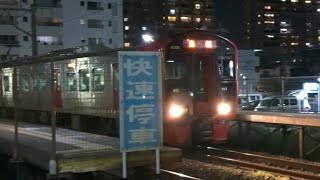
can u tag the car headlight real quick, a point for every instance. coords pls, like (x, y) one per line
(176, 111)
(224, 108)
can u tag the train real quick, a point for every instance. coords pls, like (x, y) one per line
(82, 87)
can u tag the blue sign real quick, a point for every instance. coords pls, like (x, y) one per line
(140, 90)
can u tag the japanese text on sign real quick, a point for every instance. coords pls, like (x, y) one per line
(140, 100)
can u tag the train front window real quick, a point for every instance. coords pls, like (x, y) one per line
(226, 68)
(175, 70)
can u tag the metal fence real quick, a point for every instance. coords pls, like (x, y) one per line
(304, 89)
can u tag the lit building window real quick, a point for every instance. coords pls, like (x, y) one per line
(270, 36)
(259, 22)
(283, 0)
(126, 44)
(308, 44)
(283, 23)
(125, 19)
(207, 19)
(268, 15)
(185, 19)
(259, 15)
(269, 22)
(283, 30)
(294, 0)
(126, 28)
(295, 37)
(294, 44)
(144, 28)
(197, 6)
(198, 19)
(283, 44)
(172, 18)
(318, 38)
(172, 11)
(318, 10)
(307, 2)
(267, 7)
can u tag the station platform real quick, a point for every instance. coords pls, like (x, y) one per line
(76, 151)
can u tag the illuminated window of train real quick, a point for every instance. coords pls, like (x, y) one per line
(97, 79)
(226, 67)
(25, 83)
(6, 83)
(71, 82)
(84, 80)
(42, 81)
(34, 82)
(175, 70)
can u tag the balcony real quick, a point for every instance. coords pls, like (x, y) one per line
(10, 43)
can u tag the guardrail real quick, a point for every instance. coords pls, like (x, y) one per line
(304, 88)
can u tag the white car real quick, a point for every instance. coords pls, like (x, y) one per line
(289, 104)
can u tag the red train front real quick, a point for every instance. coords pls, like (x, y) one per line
(200, 87)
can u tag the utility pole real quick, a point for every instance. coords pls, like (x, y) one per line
(34, 30)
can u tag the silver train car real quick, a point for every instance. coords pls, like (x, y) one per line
(83, 84)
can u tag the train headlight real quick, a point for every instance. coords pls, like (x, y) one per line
(224, 108)
(176, 111)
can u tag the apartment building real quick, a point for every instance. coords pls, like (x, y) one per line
(283, 30)
(58, 24)
(146, 20)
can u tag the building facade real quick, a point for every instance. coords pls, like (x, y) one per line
(282, 29)
(157, 18)
(58, 24)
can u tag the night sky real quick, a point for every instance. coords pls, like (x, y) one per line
(228, 16)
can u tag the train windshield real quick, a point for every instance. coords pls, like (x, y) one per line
(190, 73)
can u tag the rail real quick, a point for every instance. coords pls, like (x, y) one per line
(278, 165)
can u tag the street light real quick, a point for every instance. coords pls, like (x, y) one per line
(147, 38)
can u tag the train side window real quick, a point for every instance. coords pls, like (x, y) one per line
(34, 82)
(71, 82)
(42, 81)
(25, 83)
(6, 83)
(84, 80)
(97, 79)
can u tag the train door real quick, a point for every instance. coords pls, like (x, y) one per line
(115, 87)
(204, 83)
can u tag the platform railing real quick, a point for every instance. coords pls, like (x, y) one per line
(304, 89)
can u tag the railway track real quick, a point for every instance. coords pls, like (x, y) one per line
(166, 174)
(281, 166)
